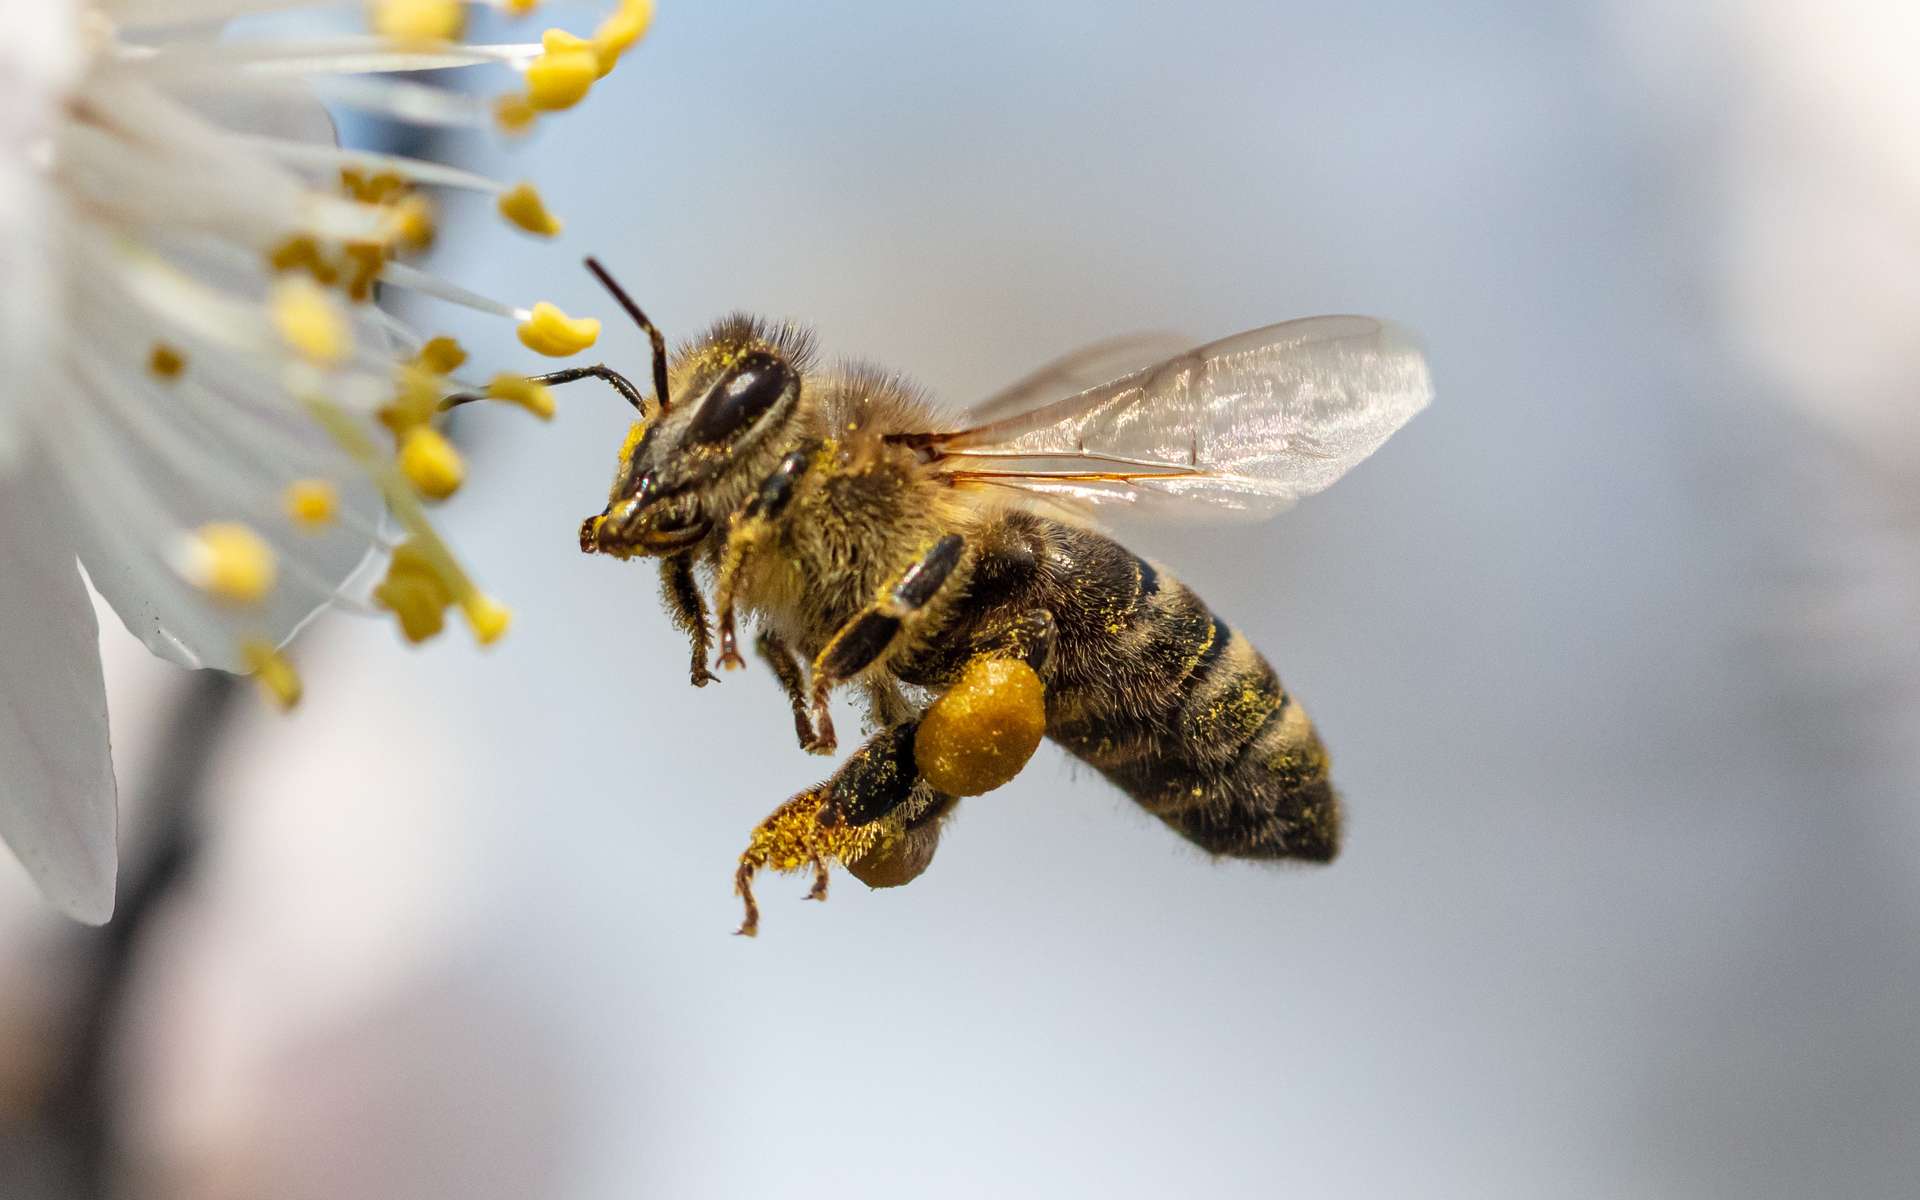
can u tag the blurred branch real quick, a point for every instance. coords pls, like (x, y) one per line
(76, 1121)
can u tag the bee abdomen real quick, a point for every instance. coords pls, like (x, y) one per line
(1206, 738)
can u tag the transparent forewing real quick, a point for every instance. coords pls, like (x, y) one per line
(1247, 424)
(1072, 374)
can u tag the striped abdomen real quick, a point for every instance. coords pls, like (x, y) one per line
(1181, 712)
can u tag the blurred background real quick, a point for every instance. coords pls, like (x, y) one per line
(1615, 647)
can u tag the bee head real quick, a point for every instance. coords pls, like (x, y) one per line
(686, 462)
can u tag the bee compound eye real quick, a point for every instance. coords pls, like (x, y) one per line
(740, 397)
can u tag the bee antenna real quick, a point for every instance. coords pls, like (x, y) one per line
(639, 318)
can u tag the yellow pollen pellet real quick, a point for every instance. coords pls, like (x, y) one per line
(549, 331)
(617, 34)
(514, 113)
(273, 672)
(536, 398)
(441, 355)
(231, 562)
(419, 20)
(562, 75)
(430, 463)
(981, 732)
(487, 617)
(311, 503)
(310, 322)
(165, 362)
(522, 205)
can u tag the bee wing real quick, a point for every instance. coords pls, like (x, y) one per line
(1244, 425)
(1072, 374)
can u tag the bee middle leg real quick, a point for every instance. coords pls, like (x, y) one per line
(786, 668)
(869, 633)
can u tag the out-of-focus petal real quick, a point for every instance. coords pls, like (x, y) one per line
(57, 810)
(37, 57)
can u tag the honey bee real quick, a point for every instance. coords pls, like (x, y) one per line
(952, 573)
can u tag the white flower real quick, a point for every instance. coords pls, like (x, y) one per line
(199, 403)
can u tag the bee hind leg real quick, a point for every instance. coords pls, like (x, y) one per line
(859, 816)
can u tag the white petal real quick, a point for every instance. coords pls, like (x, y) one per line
(56, 777)
(38, 57)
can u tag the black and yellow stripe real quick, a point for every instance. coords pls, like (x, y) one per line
(1165, 699)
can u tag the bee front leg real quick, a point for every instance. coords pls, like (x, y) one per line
(749, 528)
(689, 612)
(871, 632)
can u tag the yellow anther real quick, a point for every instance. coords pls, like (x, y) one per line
(536, 398)
(299, 250)
(430, 463)
(410, 221)
(560, 76)
(166, 362)
(419, 20)
(273, 672)
(522, 205)
(617, 34)
(415, 591)
(230, 562)
(520, 8)
(416, 398)
(514, 113)
(311, 503)
(310, 322)
(549, 331)
(441, 355)
(487, 617)
(364, 261)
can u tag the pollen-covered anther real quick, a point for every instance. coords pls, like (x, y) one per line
(563, 73)
(514, 113)
(522, 205)
(273, 673)
(411, 222)
(430, 463)
(519, 8)
(441, 355)
(487, 617)
(536, 398)
(622, 28)
(230, 562)
(415, 591)
(547, 330)
(419, 20)
(165, 362)
(309, 321)
(311, 503)
(416, 398)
